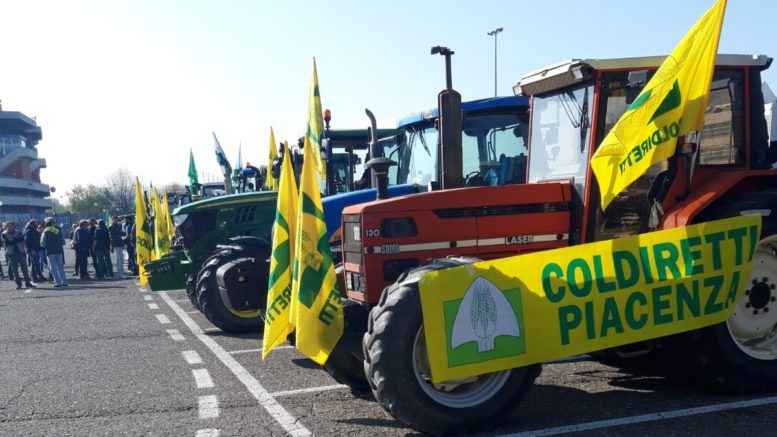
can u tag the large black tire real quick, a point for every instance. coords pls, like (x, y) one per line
(346, 362)
(209, 296)
(715, 359)
(389, 343)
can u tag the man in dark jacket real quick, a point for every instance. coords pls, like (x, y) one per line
(102, 250)
(117, 243)
(14, 249)
(82, 243)
(53, 242)
(32, 244)
(129, 241)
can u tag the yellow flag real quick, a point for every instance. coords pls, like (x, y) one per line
(168, 219)
(277, 323)
(161, 236)
(144, 246)
(671, 104)
(315, 123)
(316, 303)
(270, 182)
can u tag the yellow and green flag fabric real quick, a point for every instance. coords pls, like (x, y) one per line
(169, 226)
(270, 182)
(317, 308)
(277, 322)
(144, 244)
(512, 312)
(315, 128)
(671, 104)
(161, 235)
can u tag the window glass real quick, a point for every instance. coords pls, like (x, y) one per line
(560, 133)
(423, 155)
(723, 136)
(494, 148)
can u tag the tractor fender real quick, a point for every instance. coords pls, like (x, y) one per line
(250, 242)
(724, 185)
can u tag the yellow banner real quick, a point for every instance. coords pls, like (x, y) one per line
(161, 235)
(144, 244)
(535, 308)
(671, 104)
(277, 322)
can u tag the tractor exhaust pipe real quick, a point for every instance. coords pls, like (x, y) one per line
(378, 164)
(450, 123)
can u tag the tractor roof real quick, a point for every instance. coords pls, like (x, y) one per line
(576, 70)
(219, 202)
(471, 106)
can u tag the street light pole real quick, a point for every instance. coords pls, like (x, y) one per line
(494, 33)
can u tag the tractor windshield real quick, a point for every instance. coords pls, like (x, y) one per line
(493, 150)
(560, 133)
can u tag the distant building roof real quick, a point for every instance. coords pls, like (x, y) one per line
(16, 123)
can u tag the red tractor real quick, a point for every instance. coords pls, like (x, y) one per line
(389, 243)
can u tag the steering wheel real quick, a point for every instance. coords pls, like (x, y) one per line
(474, 179)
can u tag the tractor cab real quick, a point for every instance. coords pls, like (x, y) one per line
(576, 103)
(494, 140)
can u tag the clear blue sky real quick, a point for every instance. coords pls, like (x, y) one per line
(136, 84)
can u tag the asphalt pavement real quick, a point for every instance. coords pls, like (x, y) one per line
(108, 358)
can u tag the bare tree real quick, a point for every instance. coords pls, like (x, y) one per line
(173, 187)
(121, 185)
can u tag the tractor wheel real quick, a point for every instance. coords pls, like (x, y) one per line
(740, 355)
(191, 289)
(346, 362)
(213, 300)
(397, 369)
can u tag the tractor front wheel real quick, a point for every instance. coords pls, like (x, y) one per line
(346, 362)
(740, 355)
(211, 297)
(397, 369)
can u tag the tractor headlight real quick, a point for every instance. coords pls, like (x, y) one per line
(179, 219)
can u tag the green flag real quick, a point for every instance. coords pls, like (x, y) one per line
(194, 181)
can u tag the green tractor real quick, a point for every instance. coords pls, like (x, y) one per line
(225, 242)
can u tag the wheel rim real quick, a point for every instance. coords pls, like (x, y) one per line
(464, 393)
(753, 325)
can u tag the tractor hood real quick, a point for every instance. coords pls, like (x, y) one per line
(470, 197)
(232, 199)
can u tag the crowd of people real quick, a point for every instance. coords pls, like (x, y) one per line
(36, 254)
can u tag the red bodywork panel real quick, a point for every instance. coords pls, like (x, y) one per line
(484, 222)
(709, 184)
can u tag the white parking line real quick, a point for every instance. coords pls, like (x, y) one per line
(175, 335)
(288, 422)
(191, 357)
(148, 297)
(153, 306)
(278, 394)
(162, 319)
(251, 351)
(208, 407)
(631, 420)
(207, 432)
(202, 378)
